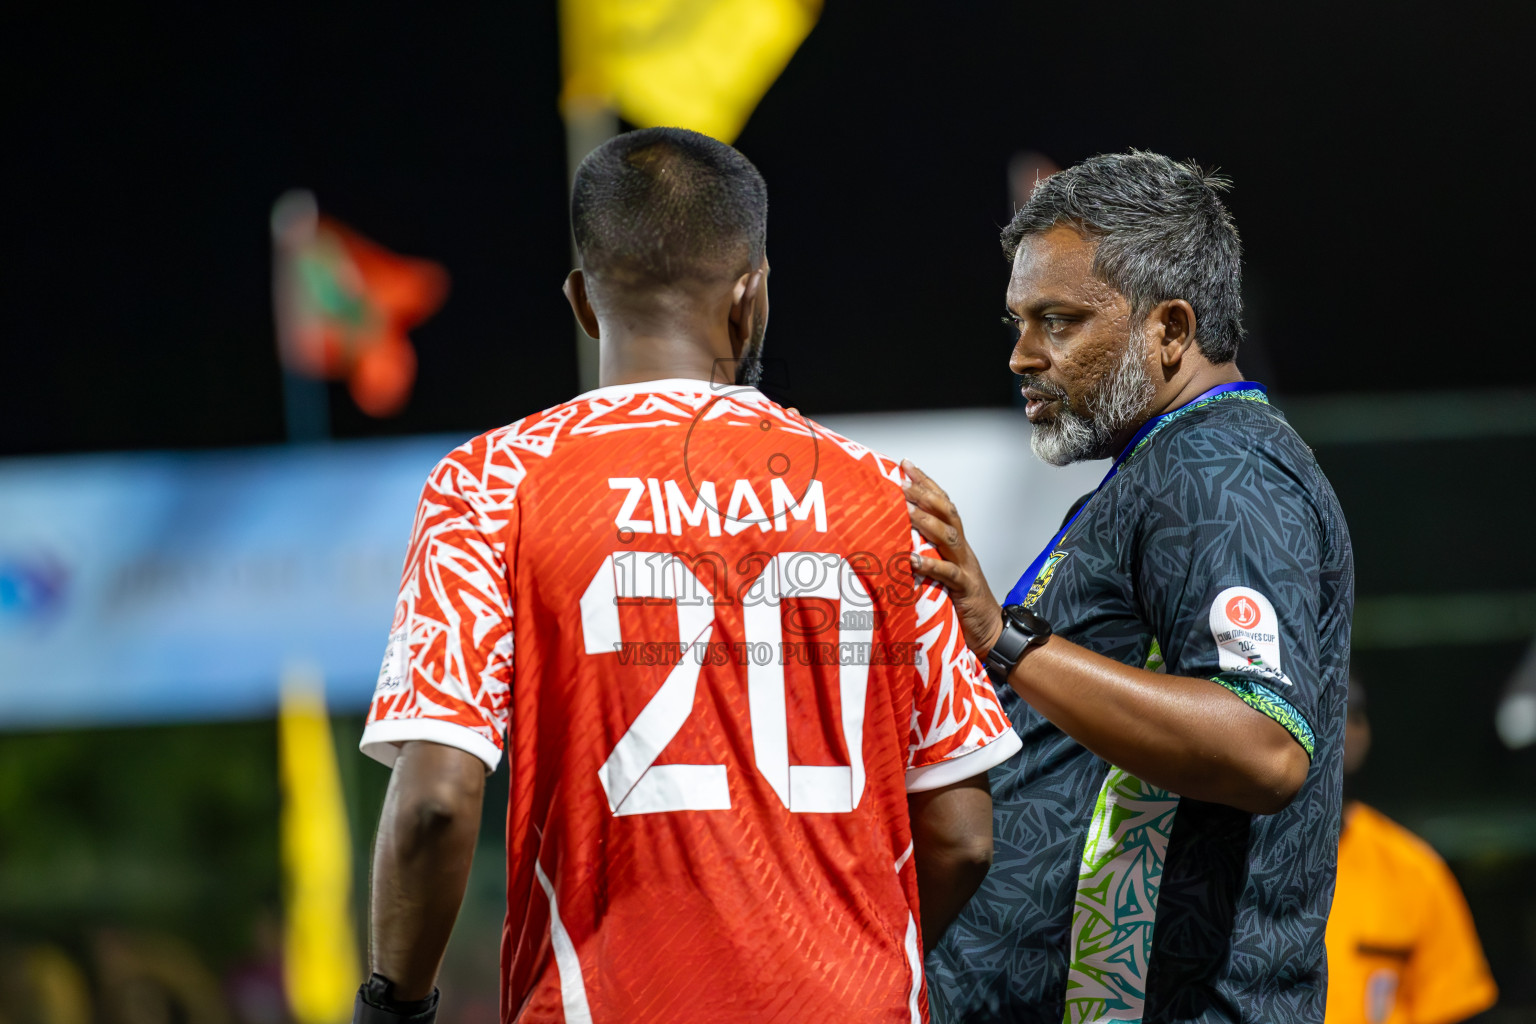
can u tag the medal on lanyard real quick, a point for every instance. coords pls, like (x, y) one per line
(1021, 588)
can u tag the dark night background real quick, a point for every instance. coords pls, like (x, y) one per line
(1375, 151)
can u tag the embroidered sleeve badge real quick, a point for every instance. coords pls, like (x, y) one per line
(1247, 633)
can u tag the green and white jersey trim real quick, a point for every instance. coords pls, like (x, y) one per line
(1266, 701)
(1116, 903)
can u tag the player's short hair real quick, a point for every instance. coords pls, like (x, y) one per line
(1162, 231)
(663, 205)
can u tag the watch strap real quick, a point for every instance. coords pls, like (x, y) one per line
(376, 1004)
(1022, 629)
(1006, 652)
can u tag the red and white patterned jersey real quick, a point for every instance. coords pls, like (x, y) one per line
(691, 613)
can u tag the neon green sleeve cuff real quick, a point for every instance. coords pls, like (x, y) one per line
(1267, 702)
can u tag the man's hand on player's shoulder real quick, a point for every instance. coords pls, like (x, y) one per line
(935, 517)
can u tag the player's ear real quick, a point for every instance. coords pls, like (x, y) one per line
(576, 294)
(762, 293)
(1171, 327)
(749, 306)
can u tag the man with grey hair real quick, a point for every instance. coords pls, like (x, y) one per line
(1174, 658)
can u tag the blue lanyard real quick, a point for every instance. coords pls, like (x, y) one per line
(1021, 588)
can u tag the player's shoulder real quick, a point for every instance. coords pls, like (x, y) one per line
(494, 463)
(1232, 454)
(850, 456)
(1240, 426)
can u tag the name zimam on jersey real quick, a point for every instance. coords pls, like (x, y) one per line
(664, 506)
(660, 506)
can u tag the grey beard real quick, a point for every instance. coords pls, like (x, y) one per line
(1116, 404)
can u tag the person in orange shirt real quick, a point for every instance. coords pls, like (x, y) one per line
(1402, 948)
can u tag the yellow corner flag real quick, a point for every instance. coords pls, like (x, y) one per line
(699, 64)
(320, 962)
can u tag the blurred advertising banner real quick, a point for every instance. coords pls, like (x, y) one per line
(179, 586)
(175, 586)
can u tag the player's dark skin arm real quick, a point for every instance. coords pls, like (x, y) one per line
(1189, 736)
(421, 862)
(952, 849)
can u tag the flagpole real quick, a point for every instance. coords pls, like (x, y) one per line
(306, 409)
(587, 126)
(306, 400)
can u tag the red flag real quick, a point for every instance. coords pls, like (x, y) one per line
(344, 305)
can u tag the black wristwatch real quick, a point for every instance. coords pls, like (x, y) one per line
(1022, 629)
(376, 1004)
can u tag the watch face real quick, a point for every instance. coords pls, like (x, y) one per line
(1028, 620)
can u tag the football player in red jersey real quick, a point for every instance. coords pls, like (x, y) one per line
(749, 750)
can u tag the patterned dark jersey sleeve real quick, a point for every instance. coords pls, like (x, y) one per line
(1227, 559)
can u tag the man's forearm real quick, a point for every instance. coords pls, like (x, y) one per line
(1189, 736)
(951, 849)
(945, 884)
(421, 862)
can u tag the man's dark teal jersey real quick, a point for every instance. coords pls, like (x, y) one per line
(1218, 551)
